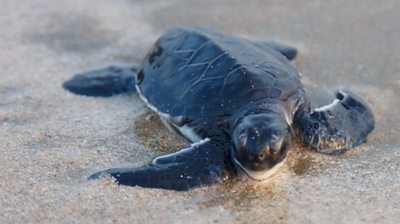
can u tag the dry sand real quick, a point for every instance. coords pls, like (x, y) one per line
(50, 140)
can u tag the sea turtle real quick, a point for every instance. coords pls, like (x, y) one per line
(238, 102)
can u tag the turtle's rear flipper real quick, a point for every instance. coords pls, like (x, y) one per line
(336, 127)
(199, 165)
(103, 82)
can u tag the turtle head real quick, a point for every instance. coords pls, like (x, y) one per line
(260, 144)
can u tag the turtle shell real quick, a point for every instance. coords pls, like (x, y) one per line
(205, 76)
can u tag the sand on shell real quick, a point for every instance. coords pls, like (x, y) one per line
(51, 140)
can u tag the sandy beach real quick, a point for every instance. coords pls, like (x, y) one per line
(52, 140)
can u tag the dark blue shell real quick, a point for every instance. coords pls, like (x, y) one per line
(205, 76)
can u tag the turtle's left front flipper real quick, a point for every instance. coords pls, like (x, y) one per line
(104, 82)
(337, 127)
(201, 164)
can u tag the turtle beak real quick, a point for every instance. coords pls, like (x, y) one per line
(258, 175)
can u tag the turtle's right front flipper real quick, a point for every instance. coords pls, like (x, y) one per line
(201, 164)
(103, 82)
(336, 127)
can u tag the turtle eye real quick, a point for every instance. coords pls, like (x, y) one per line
(240, 144)
(275, 136)
(275, 141)
(277, 145)
(240, 139)
(241, 151)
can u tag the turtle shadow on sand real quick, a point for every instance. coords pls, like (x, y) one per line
(162, 141)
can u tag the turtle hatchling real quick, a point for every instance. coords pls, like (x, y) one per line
(237, 103)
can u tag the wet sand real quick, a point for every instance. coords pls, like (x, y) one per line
(51, 140)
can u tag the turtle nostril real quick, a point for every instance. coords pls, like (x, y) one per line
(261, 156)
